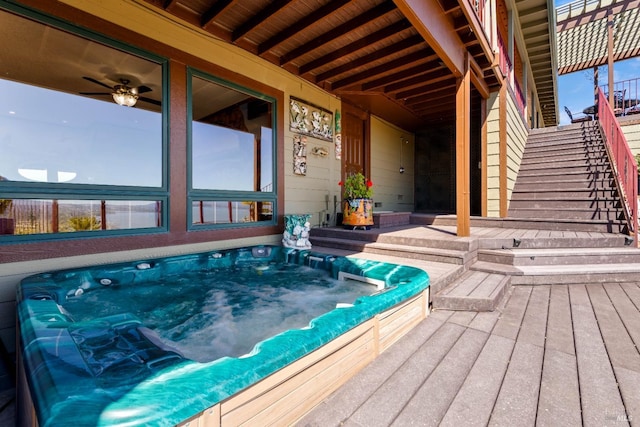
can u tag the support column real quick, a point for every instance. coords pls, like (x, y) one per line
(463, 150)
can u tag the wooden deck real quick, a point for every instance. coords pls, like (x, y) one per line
(550, 355)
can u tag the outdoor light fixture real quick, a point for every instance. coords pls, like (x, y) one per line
(125, 95)
(402, 142)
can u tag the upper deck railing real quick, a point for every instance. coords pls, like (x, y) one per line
(626, 95)
(624, 163)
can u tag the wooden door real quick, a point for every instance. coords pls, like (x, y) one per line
(355, 147)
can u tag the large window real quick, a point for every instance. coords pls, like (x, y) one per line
(81, 133)
(232, 148)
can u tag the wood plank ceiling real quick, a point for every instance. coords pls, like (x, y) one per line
(364, 51)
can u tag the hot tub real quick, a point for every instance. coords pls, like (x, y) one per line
(140, 343)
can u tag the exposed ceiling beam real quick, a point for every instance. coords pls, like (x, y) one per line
(383, 68)
(360, 20)
(210, 15)
(300, 25)
(271, 9)
(431, 22)
(364, 42)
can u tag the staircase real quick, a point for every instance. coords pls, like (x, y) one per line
(566, 225)
(565, 175)
(485, 267)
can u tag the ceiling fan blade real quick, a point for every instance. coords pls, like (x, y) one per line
(144, 89)
(94, 93)
(149, 100)
(92, 80)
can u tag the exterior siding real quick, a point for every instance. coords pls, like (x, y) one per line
(517, 133)
(493, 156)
(391, 189)
(632, 134)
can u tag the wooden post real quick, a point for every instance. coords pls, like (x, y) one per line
(463, 148)
(610, 58)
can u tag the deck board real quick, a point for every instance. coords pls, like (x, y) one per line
(518, 399)
(559, 391)
(474, 402)
(379, 409)
(508, 325)
(443, 384)
(599, 393)
(559, 327)
(550, 354)
(517, 365)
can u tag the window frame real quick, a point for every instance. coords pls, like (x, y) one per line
(80, 191)
(197, 195)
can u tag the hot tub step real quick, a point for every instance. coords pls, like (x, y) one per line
(473, 291)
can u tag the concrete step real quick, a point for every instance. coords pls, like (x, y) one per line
(389, 236)
(563, 274)
(560, 256)
(424, 253)
(473, 291)
(603, 221)
(577, 274)
(577, 151)
(606, 242)
(548, 192)
(600, 171)
(390, 219)
(574, 145)
(593, 164)
(526, 222)
(564, 185)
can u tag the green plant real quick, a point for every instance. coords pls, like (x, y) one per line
(638, 161)
(357, 186)
(84, 223)
(5, 204)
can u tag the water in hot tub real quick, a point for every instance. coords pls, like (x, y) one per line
(208, 315)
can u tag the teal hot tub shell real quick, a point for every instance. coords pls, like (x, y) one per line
(148, 383)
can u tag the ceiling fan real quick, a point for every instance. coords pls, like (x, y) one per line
(122, 93)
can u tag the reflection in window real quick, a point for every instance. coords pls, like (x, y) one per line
(227, 212)
(51, 136)
(231, 139)
(232, 154)
(40, 216)
(68, 143)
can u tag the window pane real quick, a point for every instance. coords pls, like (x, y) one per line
(40, 216)
(59, 122)
(230, 212)
(231, 139)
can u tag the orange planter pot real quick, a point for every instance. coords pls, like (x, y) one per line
(357, 213)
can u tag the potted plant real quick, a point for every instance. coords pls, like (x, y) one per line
(357, 206)
(6, 224)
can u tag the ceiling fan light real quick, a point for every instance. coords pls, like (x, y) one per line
(124, 95)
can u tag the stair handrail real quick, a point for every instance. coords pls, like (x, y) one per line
(624, 163)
